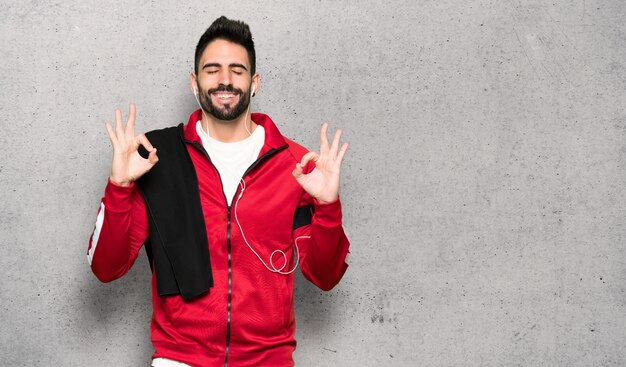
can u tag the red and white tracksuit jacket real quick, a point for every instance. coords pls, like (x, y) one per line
(256, 326)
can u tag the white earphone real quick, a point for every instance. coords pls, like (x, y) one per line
(271, 267)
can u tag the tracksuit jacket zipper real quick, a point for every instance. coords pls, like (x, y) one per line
(228, 225)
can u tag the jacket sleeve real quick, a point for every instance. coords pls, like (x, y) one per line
(323, 245)
(120, 231)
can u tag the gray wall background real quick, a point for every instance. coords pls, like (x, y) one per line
(483, 190)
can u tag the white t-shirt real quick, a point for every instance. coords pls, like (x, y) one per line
(232, 159)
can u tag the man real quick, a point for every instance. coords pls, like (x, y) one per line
(227, 209)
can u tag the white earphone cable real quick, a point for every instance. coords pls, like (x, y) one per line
(273, 268)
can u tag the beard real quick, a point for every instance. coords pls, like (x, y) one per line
(228, 112)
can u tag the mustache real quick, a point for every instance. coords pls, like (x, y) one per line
(225, 88)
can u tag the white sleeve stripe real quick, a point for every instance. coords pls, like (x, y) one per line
(164, 362)
(96, 234)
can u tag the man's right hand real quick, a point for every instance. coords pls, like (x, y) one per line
(128, 165)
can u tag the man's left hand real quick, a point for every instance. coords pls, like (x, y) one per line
(322, 182)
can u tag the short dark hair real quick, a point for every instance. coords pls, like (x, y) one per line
(234, 31)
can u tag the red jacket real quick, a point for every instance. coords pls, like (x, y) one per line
(257, 326)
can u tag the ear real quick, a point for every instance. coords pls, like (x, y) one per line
(256, 83)
(193, 83)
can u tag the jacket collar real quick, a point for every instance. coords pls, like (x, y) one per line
(273, 137)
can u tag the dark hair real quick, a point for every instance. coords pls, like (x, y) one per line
(234, 31)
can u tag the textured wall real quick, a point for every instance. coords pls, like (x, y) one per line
(484, 189)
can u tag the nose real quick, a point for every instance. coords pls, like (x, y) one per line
(224, 78)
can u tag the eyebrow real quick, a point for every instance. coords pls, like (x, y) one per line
(216, 65)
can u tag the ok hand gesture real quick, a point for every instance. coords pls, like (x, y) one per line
(323, 182)
(128, 165)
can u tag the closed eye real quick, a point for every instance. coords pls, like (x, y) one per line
(238, 68)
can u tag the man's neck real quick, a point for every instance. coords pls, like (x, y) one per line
(229, 131)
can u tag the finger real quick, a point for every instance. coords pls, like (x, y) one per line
(130, 124)
(297, 172)
(152, 157)
(141, 139)
(111, 134)
(335, 146)
(118, 123)
(324, 138)
(342, 152)
(310, 156)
